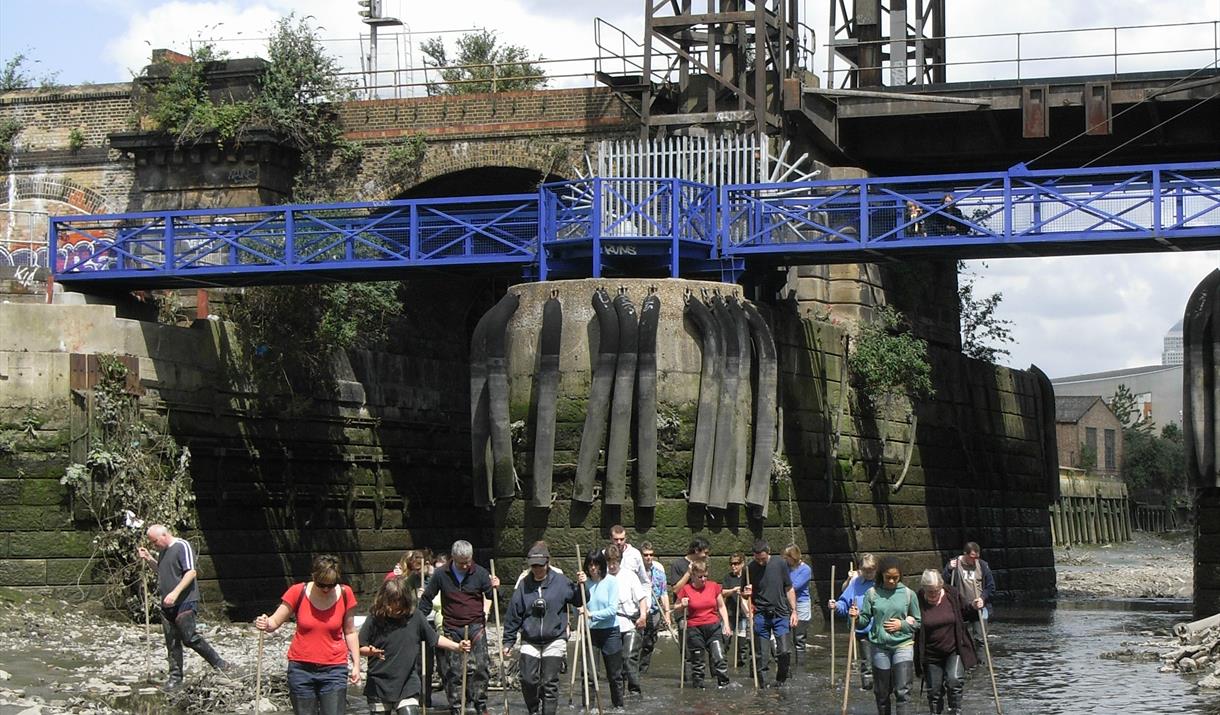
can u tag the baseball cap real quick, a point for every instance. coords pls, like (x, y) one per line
(538, 556)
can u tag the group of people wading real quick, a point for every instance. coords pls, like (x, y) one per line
(433, 613)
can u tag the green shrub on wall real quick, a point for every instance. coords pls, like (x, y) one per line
(134, 475)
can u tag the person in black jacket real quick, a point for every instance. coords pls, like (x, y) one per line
(971, 577)
(538, 613)
(944, 651)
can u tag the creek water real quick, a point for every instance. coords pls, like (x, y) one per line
(1046, 658)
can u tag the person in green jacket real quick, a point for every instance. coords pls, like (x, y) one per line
(891, 614)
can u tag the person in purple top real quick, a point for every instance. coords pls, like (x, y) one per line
(800, 573)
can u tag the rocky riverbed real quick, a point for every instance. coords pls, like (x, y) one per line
(1148, 566)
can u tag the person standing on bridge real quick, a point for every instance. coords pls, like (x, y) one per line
(465, 591)
(972, 578)
(179, 595)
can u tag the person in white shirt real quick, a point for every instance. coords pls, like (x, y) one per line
(632, 615)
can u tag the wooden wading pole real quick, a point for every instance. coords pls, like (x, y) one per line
(736, 628)
(990, 670)
(851, 659)
(832, 628)
(465, 660)
(750, 632)
(258, 676)
(682, 656)
(495, 603)
(147, 630)
(576, 663)
(425, 690)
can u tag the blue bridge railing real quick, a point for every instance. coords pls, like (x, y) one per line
(651, 226)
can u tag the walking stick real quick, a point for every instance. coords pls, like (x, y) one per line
(832, 628)
(682, 656)
(736, 628)
(147, 630)
(851, 659)
(750, 632)
(258, 676)
(465, 660)
(577, 662)
(590, 665)
(991, 670)
(495, 604)
(425, 691)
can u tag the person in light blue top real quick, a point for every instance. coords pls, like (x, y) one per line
(602, 608)
(800, 573)
(858, 584)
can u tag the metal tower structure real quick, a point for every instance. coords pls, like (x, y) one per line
(724, 66)
(875, 35)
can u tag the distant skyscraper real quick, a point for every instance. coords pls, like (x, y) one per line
(1172, 354)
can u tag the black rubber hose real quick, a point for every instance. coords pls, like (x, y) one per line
(709, 398)
(1046, 424)
(725, 451)
(1200, 336)
(646, 404)
(480, 422)
(598, 407)
(548, 393)
(765, 417)
(617, 452)
(504, 471)
(737, 492)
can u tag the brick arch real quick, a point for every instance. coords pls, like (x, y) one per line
(23, 236)
(534, 153)
(67, 191)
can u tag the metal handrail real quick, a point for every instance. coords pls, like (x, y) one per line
(1018, 60)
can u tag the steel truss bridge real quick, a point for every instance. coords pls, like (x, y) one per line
(648, 226)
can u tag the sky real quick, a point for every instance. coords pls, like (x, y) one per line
(1070, 315)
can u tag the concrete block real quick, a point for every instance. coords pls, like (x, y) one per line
(23, 572)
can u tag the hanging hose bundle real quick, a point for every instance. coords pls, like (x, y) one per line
(646, 404)
(624, 396)
(709, 398)
(480, 423)
(548, 392)
(724, 453)
(765, 418)
(737, 492)
(504, 472)
(598, 406)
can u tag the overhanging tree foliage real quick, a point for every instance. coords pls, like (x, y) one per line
(984, 334)
(482, 64)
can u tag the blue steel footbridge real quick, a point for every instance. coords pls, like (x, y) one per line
(652, 226)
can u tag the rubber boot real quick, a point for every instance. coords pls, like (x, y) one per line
(631, 660)
(332, 702)
(720, 667)
(866, 663)
(955, 681)
(902, 673)
(882, 682)
(614, 669)
(762, 657)
(303, 706)
(531, 683)
(407, 710)
(697, 665)
(551, 668)
(783, 657)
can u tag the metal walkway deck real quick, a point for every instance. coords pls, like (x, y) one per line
(641, 227)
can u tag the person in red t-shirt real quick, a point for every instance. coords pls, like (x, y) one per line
(707, 624)
(325, 639)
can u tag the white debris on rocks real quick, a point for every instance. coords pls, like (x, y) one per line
(1194, 654)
